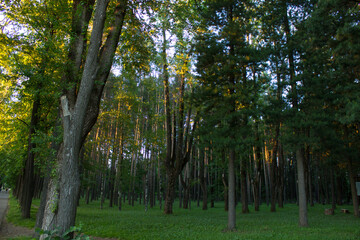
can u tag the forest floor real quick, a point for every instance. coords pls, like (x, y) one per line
(195, 223)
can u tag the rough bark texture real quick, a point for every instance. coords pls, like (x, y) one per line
(63, 192)
(170, 189)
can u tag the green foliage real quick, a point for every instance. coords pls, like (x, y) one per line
(55, 234)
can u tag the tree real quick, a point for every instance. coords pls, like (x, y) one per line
(223, 58)
(35, 57)
(81, 99)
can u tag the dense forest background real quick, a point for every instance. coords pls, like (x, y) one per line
(251, 102)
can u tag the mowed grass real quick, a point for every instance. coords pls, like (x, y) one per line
(134, 223)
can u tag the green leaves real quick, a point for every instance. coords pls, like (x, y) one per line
(55, 234)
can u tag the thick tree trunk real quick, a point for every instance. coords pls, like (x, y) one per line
(303, 219)
(76, 104)
(170, 189)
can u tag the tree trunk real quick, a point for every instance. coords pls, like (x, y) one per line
(28, 178)
(170, 189)
(273, 169)
(281, 177)
(353, 189)
(202, 178)
(303, 219)
(244, 192)
(266, 175)
(76, 104)
(231, 183)
(339, 190)
(226, 193)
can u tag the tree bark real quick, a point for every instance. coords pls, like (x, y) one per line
(231, 183)
(202, 179)
(353, 189)
(226, 193)
(63, 192)
(303, 219)
(244, 192)
(281, 177)
(28, 178)
(170, 189)
(273, 169)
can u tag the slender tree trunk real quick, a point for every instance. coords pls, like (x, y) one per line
(303, 219)
(244, 192)
(28, 178)
(202, 179)
(273, 170)
(231, 183)
(353, 189)
(226, 193)
(339, 190)
(281, 177)
(332, 185)
(266, 175)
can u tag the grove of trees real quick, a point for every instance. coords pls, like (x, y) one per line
(249, 102)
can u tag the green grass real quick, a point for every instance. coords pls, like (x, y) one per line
(135, 223)
(14, 213)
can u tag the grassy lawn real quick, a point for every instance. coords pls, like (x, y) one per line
(135, 223)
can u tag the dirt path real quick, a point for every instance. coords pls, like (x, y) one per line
(7, 230)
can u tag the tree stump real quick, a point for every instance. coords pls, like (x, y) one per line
(329, 211)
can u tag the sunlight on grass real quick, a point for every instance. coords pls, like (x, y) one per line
(134, 223)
